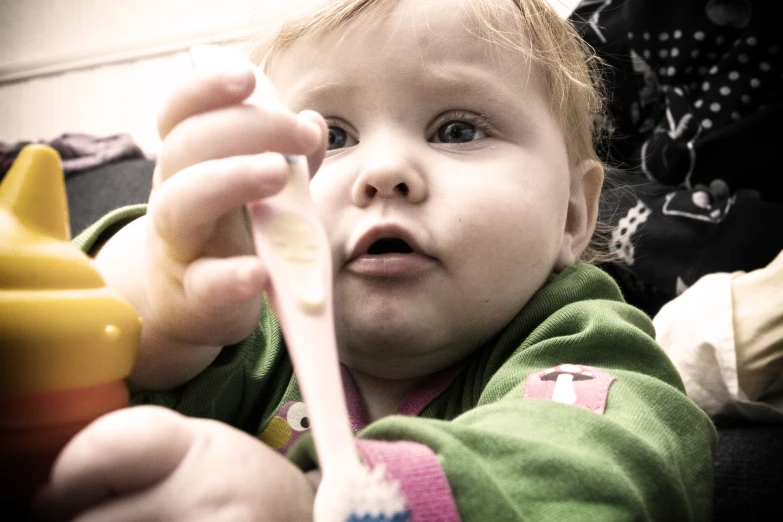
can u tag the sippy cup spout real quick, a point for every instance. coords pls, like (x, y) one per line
(67, 342)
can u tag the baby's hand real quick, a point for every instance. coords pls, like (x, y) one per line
(194, 276)
(149, 463)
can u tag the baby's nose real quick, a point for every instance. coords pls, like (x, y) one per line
(390, 176)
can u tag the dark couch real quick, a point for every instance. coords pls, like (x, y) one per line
(749, 460)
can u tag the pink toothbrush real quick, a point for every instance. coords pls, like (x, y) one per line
(291, 240)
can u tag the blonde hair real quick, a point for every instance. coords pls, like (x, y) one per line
(571, 71)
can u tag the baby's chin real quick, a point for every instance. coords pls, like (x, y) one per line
(384, 355)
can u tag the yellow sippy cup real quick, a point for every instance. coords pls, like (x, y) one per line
(67, 342)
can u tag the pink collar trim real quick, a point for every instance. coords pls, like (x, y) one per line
(413, 404)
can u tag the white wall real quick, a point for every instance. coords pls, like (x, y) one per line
(43, 28)
(100, 101)
(113, 61)
(105, 66)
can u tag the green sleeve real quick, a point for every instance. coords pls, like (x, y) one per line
(241, 387)
(108, 225)
(509, 458)
(647, 457)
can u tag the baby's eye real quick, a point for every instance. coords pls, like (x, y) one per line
(457, 132)
(339, 138)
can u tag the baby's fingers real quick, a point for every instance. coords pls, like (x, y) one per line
(238, 130)
(120, 453)
(206, 92)
(185, 210)
(225, 282)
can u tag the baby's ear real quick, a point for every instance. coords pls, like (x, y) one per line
(587, 178)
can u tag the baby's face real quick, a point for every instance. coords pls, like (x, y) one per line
(445, 192)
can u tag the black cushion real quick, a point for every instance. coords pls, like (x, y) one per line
(749, 473)
(93, 193)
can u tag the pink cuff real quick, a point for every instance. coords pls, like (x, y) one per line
(422, 481)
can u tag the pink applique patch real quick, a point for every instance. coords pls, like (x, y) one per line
(286, 427)
(583, 386)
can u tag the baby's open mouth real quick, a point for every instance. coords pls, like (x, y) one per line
(390, 245)
(389, 255)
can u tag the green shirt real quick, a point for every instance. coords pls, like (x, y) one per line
(509, 454)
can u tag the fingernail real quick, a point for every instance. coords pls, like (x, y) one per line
(235, 79)
(309, 134)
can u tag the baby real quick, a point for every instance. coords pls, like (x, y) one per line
(492, 371)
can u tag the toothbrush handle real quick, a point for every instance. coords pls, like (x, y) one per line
(294, 247)
(292, 242)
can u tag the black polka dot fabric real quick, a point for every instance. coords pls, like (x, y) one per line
(695, 119)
